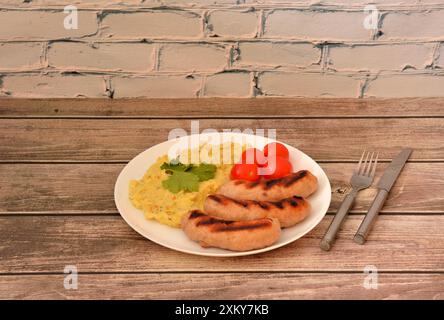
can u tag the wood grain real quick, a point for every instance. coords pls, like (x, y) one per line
(221, 107)
(59, 160)
(89, 188)
(121, 140)
(242, 286)
(108, 244)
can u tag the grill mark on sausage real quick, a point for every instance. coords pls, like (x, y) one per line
(244, 204)
(294, 201)
(278, 204)
(253, 184)
(196, 214)
(294, 177)
(223, 200)
(286, 181)
(216, 198)
(263, 205)
(270, 183)
(208, 221)
(238, 227)
(222, 225)
(251, 203)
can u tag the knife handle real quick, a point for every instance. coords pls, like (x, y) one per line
(370, 217)
(330, 235)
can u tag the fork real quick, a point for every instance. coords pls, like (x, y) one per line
(361, 179)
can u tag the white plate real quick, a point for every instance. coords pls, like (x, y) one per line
(175, 238)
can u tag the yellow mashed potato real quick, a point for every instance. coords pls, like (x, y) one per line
(160, 204)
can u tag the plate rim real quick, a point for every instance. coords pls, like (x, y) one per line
(228, 253)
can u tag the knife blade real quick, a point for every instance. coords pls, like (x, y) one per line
(384, 186)
(392, 172)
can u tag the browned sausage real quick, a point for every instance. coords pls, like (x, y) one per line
(231, 235)
(288, 211)
(302, 183)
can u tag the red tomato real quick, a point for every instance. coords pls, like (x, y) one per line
(283, 168)
(255, 155)
(243, 171)
(277, 149)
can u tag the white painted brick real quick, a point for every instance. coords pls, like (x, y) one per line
(136, 57)
(53, 86)
(44, 25)
(157, 24)
(316, 25)
(192, 57)
(227, 23)
(157, 87)
(308, 85)
(20, 56)
(277, 54)
(228, 84)
(174, 27)
(406, 85)
(380, 57)
(414, 25)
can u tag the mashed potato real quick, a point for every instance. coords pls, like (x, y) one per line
(168, 208)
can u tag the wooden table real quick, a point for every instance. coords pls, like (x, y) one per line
(59, 160)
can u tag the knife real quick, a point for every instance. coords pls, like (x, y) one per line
(385, 183)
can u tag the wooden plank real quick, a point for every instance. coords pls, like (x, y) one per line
(58, 188)
(242, 286)
(88, 188)
(108, 244)
(121, 140)
(221, 107)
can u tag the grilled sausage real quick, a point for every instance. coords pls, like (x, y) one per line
(302, 183)
(288, 211)
(231, 235)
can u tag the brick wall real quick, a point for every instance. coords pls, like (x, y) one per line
(223, 48)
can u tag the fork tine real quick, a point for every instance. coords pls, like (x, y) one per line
(364, 164)
(372, 174)
(358, 168)
(368, 166)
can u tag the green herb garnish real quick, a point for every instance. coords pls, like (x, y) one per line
(178, 181)
(186, 177)
(170, 167)
(204, 171)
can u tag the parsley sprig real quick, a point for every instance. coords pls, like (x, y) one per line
(186, 177)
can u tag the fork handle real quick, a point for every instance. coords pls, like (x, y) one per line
(370, 217)
(330, 235)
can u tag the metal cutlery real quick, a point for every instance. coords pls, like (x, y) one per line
(361, 179)
(384, 185)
